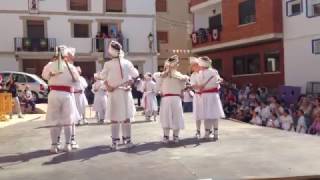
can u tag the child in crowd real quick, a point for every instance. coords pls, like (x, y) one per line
(273, 121)
(256, 120)
(265, 112)
(188, 98)
(301, 126)
(29, 99)
(286, 121)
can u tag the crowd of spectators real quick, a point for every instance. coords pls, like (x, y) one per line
(263, 107)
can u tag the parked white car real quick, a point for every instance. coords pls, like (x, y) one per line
(38, 87)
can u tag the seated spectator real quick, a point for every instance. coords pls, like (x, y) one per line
(273, 121)
(230, 96)
(255, 120)
(29, 99)
(286, 121)
(265, 112)
(315, 127)
(252, 99)
(13, 89)
(301, 125)
(230, 108)
(242, 96)
(279, 109)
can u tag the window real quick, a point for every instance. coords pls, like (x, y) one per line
(247, 12)
(313, 8)
(316, 46)
(217, 64)
(19, 78)
(35, 29)
(272, 61)
(294, 7)
(215, 22)
(81, 30)
(114, 5)
(249, 64)
(30, 79)
(162, 37)
(79, 5)
(161, 5)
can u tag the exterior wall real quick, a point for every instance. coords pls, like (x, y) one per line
(177, 21)
(272, 80)
(267, 20)
(8, 63)
(301, 65)
(138, 13)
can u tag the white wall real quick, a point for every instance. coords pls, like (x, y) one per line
(201, 16)
(301, 66)
(8, 62)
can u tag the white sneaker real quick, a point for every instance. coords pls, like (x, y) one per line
(74, 145)
(67, 148)
(54, 149)
(85, 122)
(114, 146)
(129, 145)
(198, 135)
(165, 139)
(176, 139)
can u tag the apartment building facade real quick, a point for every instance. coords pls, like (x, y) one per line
(301, 22)
(32, 28)
(174, 26)
(243, 37)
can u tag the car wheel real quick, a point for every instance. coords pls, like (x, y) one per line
(36, 97)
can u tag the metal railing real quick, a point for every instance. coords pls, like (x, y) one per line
(34, 44)
(98, 44)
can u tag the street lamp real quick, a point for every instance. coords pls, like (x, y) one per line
(151, 40)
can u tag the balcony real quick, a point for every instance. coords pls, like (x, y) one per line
(199, 5)
(98, 44)
(34, 44)
(204, 36)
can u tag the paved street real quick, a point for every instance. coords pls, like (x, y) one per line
(243, 151)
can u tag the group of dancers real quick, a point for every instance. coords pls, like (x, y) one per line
(114, 101)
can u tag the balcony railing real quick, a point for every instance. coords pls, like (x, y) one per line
(203, 36)
(34, 44)
(98, 44)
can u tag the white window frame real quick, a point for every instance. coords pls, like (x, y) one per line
(309, 7)
(316, 46)
(289, 5)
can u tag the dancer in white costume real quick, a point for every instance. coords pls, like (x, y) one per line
(118, 74)
(171, 84)
(100, 98)
(61, 112)
(149, 99)
(209, 81)
(80, 98)
(197, 103)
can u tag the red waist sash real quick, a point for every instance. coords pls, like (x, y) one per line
(212, 90)
(61, 88)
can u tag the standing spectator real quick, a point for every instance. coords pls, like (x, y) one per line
(273, 121)
(1, 82)
(316, 108)
(29, 99)
(315, 127)
(12, 88)
(188, 99)
(286, 121)
(301, 126)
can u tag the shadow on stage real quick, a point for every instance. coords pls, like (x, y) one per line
(92, 152)
(95, 124)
